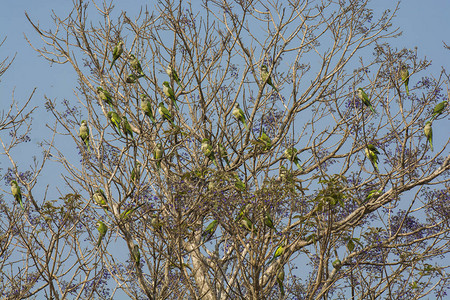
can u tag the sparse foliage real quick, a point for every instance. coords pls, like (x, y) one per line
(255, 178)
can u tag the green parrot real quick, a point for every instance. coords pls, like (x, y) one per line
(126, 213)
(246, 223)
(364, 98)
(156, 223)
(174, 75)
(100, 199)
(429, 133)
(291, 154)
(337, 263)
(373, 194)
(244, 211)
(158, 154)
(280, 279)
(283, 172)
(132, 78)
(136, 65)
(238, 113)
(223, 153)
(117, 52)
(268, 221)
(265, 140)
(239, 184)
(209, 231)
(104, 95)
(84, 133)
(404, 74)
(279, 252)
(265, 75)
(136, 172)
(115, 121)
(165, 113)
(15, 190)
(102, 228)
(146, 107)
(438, 109)
(169, 93)
(126, 128)
(208, 150)
(136, 255)
(372, 155)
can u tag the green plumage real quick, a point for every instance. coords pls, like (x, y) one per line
(128, 212)
(115, 121)
(373, 194)
(364, 98)
(246, 223)
(165, 113)
(209, 231)
(126, 128)
(265, 75)
(428, 131)
(372, 154)
(279, 251)
(117, 52)
(207, 150)
(223, 154)
(146, 107)
(104, 95)
(404, 74)
(238, 183)
(15, 190)
(132, 78)
(136, 65)
(136, 173)
(102, 229)
(156, 223)
(268, 221)
(265, 141)
(136, 255)
(238, 113)
(280, 280)
(439, 109)
(337, 263)
(174, 75)
(84, 133)
(158, 154)
(291, 155)
(168, 91)
(100, 199)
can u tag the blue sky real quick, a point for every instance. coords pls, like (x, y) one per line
(425, 24)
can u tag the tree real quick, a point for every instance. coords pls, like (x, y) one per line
(361, 232)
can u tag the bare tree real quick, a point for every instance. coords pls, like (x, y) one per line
(229, 150)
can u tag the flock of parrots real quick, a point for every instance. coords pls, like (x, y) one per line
(123, 128)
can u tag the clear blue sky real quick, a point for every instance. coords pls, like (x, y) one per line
(425, 24)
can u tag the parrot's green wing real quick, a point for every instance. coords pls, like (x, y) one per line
(404, 74)
(365, 99)
(15, 190)
(102, 228)
(117, 52)
(438, 109)
(136, 65)
(238, 113)
(146, 107)
(265, 75)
